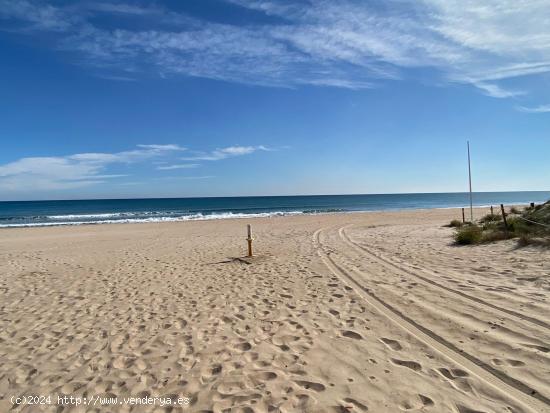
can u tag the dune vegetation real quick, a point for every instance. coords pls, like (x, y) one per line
(531, 226)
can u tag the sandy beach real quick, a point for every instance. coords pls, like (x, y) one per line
(355, 312)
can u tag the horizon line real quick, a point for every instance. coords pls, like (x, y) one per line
(272, 196)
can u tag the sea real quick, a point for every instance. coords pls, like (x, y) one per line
(109, 211)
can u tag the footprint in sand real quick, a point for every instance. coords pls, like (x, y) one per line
(426, 401)
(298, 403)
(508, 362)
(457, 377)
(352, 334)
(452, 373)
(352, 405)
(310, 385)
(181, 324)
(284, 339)
(392, 344)
(216, 369)
(464, 409)
(417, 404)
(284, 360)
(413, 365)
(122, 362)
(264, 376)
(251, 356)
(261, 364)
(243, 346)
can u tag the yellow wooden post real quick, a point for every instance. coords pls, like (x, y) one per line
(249, 240)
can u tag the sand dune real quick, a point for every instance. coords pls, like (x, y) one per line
(338, 313)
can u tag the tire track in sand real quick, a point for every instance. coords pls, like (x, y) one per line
(510, 387)
(390, 264)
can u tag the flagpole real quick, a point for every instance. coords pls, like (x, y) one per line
(470, 181)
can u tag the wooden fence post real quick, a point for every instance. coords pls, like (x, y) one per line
(504, 218)
(463, 217)
(249, 240)
(492, 211)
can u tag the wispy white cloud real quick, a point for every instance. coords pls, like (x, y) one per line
(537, 109)
(496, 91)
(507, 71)
(347, 44)
(122, 8)
(72, 171)
(116, 78)
(186, 178)
(38, 16)
(228, 152)
(516, 29)
(177, 166)
(85, 169)
(170, 147)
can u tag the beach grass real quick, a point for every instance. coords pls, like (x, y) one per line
(531, 226)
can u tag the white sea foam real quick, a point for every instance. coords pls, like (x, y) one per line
(192, 217)
(175, 216)
(87, 216)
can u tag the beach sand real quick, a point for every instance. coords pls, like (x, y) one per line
(359, 312)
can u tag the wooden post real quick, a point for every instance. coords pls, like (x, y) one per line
(504, 218)
(492, 211)
(463, 217)
(532, 204)
(249, 240)
(470, 179)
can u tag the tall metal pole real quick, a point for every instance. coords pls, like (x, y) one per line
(470, 180)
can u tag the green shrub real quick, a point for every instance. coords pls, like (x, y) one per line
(455, 223)
(494, 235)
(541, 213)
(520, 227)
(468, 234)
(525, 240)
(524, 225)
(490, 218)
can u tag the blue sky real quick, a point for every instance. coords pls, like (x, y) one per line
(105, 99)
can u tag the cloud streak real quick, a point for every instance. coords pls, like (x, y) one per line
(177, 166)
(345, 44)
(72, 171)
(228, 152)
(537, 109)
(92, 168)
(495, 91)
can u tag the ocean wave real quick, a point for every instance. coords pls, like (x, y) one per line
(325, 211)
(153, 215)
(189, 217)
(88, 216)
